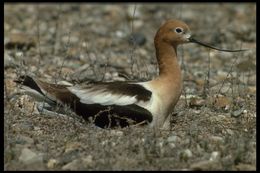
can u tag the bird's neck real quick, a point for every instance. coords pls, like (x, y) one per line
(169, 68)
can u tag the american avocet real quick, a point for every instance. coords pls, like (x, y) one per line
(124, 103)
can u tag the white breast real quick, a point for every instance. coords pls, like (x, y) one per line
(156, 106)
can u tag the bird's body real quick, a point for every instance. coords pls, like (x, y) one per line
(125, 103)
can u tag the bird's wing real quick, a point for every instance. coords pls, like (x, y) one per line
(112, 93)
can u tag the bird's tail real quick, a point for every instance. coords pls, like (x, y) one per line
(29, 82)
(33, 88)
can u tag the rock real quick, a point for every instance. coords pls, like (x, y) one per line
(246, 65)
(29, 157)
(217, 139)
(52, 163)
(26, 126)
(222, 102)
(172, 145)
(24, 140)
(8, 61)
(197, 102)
(116, 132)
(72, 146)
(206, 165)
(87, 161)
(245, 167)
(173, 139)
(69, 39)
(69, 156)
(237, 113)
(215, 155)
(137, 39)
(186, 154)
(133, 12)
(229, 131)
(72, 165)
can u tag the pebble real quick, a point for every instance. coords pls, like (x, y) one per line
(29, 157)
(72, 146)
(197, 102)
(137, 39)
(172, 145)
(245, 167)
(71, 165)
(8, 61)
(206, 165)
(116, 132)
(24, 140)
(87, 161)
(185, 155)
(237, 113)
(133, 12)
(69, 156)
(52, 163)
(230, 132)
(173, 139)
(26, 126)
(217, 139)
(215, 155)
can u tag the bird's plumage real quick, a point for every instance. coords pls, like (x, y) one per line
(109, 104)
(124, 103)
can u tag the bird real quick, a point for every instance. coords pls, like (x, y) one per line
(124, 103)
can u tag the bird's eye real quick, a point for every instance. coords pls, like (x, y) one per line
(178, 30)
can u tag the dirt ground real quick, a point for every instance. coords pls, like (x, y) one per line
(214, 123)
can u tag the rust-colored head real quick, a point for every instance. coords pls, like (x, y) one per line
(173, 32)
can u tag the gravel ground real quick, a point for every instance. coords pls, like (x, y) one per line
(214, 123)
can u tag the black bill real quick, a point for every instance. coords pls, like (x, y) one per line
(192, 40)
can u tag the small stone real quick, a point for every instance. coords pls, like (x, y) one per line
(215, 155)
(173, 139)
(245, 167)
(237, 113)
(217, 139)
(71, 165)
(222, 102)
(229, 131)
(160, 144)
(133, 12)
(8, 61)
(120, 34)
(52, 163)
(69, 156)
(137, 39)
(29, 157)
(26, 125)
(251, 90)
(87, 161)
(188, 153)
(185, 155)
(245, 111)
(19, 54)
(116, 132)
(24, 140)
(196, 102)
(197, 111)
(72, 146)
(172, 145)
(206, 165)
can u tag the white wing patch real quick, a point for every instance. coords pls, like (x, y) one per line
(104, 97)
